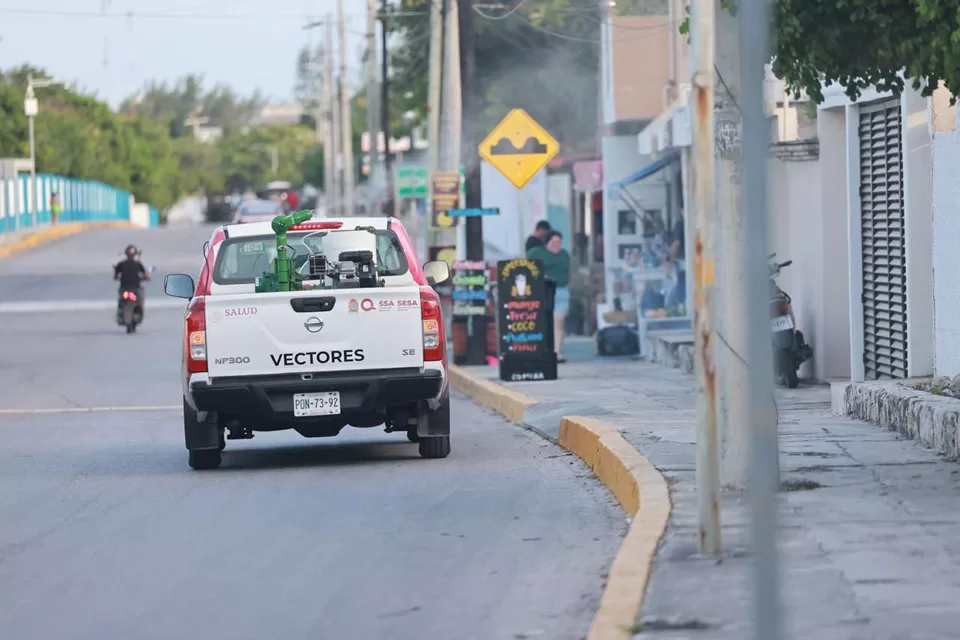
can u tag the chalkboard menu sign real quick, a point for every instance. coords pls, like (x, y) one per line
(469, 288)
(525, 322)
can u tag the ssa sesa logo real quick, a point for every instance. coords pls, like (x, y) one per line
(366, 304)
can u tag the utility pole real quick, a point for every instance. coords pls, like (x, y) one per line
(332, 139)
(393, 196)
(733, 377)
(346, 121)
(450, 118)
(708, 444)
(434, 102)
(476, 325)
(373, 128)
(764, 445)
(31, 109)
(672, 31)
(327, 119)
(452, 98)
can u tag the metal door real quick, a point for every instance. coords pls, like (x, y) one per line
(882, 236)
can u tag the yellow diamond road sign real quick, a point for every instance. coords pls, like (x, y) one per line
(519, 148)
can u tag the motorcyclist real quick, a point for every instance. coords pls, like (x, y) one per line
(131, 273)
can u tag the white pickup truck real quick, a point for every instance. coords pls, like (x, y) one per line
(317, 359)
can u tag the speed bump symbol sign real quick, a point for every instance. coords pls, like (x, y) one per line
(519, 148)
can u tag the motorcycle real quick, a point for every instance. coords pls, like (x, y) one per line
(131, 311)
(130, 306)
(789, 348)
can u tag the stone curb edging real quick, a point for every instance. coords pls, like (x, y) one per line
(931, 420)
(53, 233)
(638, 486)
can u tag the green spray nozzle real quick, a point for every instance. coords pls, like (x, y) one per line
(282, 224)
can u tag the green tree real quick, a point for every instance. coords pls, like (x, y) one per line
(862, 43)
(543, 57)
(78, 136)
(859, 43)
(174, 103)
(247, 159)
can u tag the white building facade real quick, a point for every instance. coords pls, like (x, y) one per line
(878, 181)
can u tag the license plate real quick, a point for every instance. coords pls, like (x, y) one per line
(326, 403)
(782, 323)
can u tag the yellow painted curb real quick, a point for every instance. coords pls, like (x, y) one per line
(509, 404)
(53, 233)
(636, 483)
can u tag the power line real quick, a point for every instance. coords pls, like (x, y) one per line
(651, 31)
(503, 16)
(52, 13)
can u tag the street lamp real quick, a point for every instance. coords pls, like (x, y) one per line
(31, 108)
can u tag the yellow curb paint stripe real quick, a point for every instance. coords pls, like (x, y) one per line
(54, 233)
(638, 486)
(510, 404)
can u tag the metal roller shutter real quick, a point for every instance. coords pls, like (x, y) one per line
(882, 236)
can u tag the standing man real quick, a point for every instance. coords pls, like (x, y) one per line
(677, 259)
(54, 207)
(556, 267)
(294, 200)
(539, 237)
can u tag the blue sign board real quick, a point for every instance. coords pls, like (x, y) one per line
(472, 213)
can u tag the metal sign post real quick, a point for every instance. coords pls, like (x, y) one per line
(764, 445)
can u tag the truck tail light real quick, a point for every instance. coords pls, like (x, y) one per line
(196, 337)
(434, 343)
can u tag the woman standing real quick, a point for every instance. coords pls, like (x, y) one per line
(556, 267)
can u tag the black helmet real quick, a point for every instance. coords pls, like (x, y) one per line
(131, 251)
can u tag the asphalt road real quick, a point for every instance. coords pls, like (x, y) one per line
(105, 533)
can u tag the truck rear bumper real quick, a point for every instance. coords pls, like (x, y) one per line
(360, 392)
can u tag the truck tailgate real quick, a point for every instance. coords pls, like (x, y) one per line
(314, 331)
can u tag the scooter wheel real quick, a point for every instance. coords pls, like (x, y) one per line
(787, 369)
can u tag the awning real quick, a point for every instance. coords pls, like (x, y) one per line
(646, 172)
(670, 129)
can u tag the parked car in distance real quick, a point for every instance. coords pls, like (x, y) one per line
(258, 211)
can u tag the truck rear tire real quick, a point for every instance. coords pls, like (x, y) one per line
(205, 459)
(434, 447)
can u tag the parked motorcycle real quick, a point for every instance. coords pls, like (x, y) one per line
(789, 348)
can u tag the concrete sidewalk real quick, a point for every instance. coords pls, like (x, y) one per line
(870, 522)
(16, 241)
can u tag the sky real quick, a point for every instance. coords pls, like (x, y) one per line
(247, 44)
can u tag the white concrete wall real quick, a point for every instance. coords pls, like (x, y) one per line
(915, 118)
(832, 359)
(139, 214)
(918, 218)
(946, 240)
(520, 209)
(795, 226)
(808, 226)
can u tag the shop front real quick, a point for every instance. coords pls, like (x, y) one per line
(647, 236)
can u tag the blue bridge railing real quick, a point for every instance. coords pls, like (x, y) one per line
(80, 201)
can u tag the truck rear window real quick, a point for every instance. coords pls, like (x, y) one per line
(241, 260)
